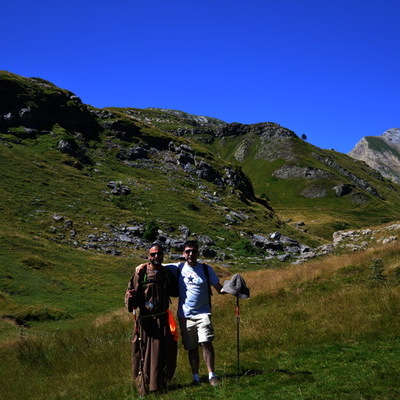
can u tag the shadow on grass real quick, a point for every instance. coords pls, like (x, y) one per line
(204, 379)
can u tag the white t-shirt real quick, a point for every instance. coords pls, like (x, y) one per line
(193, 288)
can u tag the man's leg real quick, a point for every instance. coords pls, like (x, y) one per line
(190, 343)
(208, 355)
(194, 360)
(209, 359)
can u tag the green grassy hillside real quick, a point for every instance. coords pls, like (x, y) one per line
(64, 164)
(292, 198)
(83, 191)
(263, 150)
(65, 232)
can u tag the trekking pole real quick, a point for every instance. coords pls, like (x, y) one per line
(237, 334)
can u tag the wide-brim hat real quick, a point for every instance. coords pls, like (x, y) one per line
(237, 286)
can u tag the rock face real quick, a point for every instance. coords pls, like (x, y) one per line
(37, 105)
(381, 153)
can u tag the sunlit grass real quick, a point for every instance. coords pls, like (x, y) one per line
(322, 330)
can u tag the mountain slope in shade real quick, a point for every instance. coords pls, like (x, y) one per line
(381, 153)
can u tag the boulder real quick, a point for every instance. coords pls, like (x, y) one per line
(342, 190)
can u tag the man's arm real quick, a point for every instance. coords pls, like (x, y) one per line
(212, 277)
(140, 267)
(218, 287)
(132, 296)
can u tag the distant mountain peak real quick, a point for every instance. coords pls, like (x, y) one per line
(392, 135)
(381, 153)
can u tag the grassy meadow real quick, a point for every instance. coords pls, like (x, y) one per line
(327, 329)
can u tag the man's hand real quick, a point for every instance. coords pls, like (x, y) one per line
(219, 288)
(140, 267)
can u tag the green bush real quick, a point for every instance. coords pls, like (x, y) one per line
(377, 269)
(244, 248)
(150, 231)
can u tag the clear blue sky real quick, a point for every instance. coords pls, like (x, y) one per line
(325, 68)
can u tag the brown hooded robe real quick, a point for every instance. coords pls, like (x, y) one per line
(154, 349)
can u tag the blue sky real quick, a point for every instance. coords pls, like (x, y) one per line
(325, 68)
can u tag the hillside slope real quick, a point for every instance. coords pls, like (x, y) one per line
(83, 191)
(316, 190)
(185, 170)
(104, 171)
(189, 173)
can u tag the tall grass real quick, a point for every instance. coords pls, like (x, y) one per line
(327, 329)
(337, 298)
(86, 363)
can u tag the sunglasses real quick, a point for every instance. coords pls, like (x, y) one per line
(158, 253)
(194, 251)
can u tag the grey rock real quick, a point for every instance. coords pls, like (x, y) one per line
(342, 190)
(65, 147)
(208, 252)
(293, 172)
(133, 154)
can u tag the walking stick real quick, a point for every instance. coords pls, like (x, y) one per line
(237, 335)
(237, 286)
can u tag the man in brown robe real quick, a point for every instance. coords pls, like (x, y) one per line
(154, 348)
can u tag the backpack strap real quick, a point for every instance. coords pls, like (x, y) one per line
(207, 274)
(180, 266)
(173, 286)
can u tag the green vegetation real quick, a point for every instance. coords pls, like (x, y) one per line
(288, 196)
(325, 329)
(150, 232)
(378, 144)
(322, 330)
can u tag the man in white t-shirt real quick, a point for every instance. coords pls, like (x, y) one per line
(194, 309)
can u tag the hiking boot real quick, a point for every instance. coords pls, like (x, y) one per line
(214, 381)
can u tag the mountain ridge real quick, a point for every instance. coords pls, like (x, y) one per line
(250, 179)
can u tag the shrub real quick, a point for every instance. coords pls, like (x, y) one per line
(244, 248)
(193, 207)
(150, 231)
(377, 269)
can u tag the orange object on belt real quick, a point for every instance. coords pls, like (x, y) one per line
(172, 326)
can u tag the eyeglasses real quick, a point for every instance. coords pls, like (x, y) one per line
(194, 251)
(158, 253)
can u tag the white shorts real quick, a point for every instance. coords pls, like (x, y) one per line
(196, 329)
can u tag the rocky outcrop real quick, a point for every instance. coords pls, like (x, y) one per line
(361, 239)
(293, 172)
(191, 119)
(267, 130)
(342, 189)
(38, 105)
(356, 180)
(381, 153)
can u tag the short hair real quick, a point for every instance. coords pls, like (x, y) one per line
(191, 243)
(160, 247)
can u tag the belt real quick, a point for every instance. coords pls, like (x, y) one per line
(152, 315)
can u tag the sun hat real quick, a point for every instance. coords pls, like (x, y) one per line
(237, 286)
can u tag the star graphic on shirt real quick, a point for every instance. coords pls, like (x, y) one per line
(190, 279)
